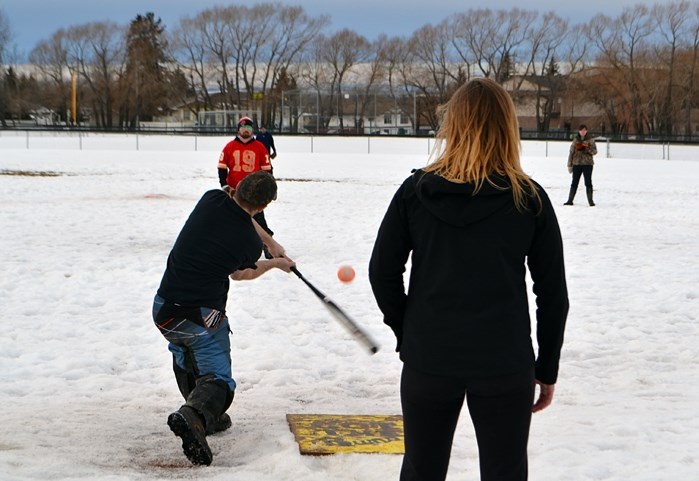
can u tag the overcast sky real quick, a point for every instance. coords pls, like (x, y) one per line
(35, 20)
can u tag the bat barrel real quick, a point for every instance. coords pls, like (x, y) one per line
(339, 314)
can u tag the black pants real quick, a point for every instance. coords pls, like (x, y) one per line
(586, 172)
(500, 409)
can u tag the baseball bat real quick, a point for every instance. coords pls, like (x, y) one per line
(340, 315)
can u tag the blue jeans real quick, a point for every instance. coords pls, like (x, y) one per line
(197, 349)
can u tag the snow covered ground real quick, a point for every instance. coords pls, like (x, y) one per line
(86, 379)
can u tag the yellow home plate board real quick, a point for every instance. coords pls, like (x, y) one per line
(347, 433)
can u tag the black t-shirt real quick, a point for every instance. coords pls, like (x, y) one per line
(217, 240)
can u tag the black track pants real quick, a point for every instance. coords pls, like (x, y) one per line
(500, 410)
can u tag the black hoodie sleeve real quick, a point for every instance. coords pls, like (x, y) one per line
(387, 265)
(545, 262)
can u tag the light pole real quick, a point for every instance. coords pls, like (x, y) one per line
(74, 98)
(414, 113)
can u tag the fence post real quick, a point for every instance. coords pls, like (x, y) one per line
(607, 147)
(27, 141)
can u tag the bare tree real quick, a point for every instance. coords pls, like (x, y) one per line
(217, 26)
(51, 59)
(576, 56)
(96, 52)
(688, 70)
(474, 34)
(343, 51)
(244, 50)
(373, 76)
(428, 72)
(293, 33)
(545, 39)
(673, 22)
(5, 36)
(315, 72)
(622, 44)
(492, 41)
(188, 47)
(430, 50)
(266, 39)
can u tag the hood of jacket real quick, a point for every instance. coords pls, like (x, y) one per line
(456, 204)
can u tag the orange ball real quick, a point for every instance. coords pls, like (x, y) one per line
(345, 273)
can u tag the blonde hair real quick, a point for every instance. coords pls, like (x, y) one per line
(479, 137)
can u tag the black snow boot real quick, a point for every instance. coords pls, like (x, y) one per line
(571, 195)
(222, 423)
(589, 197)
(186, 382)
(189, 426)
(211, 398)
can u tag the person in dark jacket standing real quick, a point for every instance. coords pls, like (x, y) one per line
(218, 241)
(580, 162)
(267, 139)
(472, 222)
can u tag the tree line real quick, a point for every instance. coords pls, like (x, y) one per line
(638, 70)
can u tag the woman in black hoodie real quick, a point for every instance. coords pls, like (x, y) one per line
(472, 222)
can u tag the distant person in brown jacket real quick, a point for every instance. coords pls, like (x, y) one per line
(580, 162)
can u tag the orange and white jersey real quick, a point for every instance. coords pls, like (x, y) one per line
(241, 159)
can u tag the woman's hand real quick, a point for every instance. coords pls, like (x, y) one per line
(545, 397)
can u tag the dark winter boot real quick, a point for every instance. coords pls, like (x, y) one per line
(211, 398)
(571, 195)
(589, 197)
(188, 424)
(222, 423)
(186, 382)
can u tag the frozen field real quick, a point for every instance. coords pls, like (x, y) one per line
(86, 377)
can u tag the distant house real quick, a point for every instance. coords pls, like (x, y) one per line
(560, 108)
